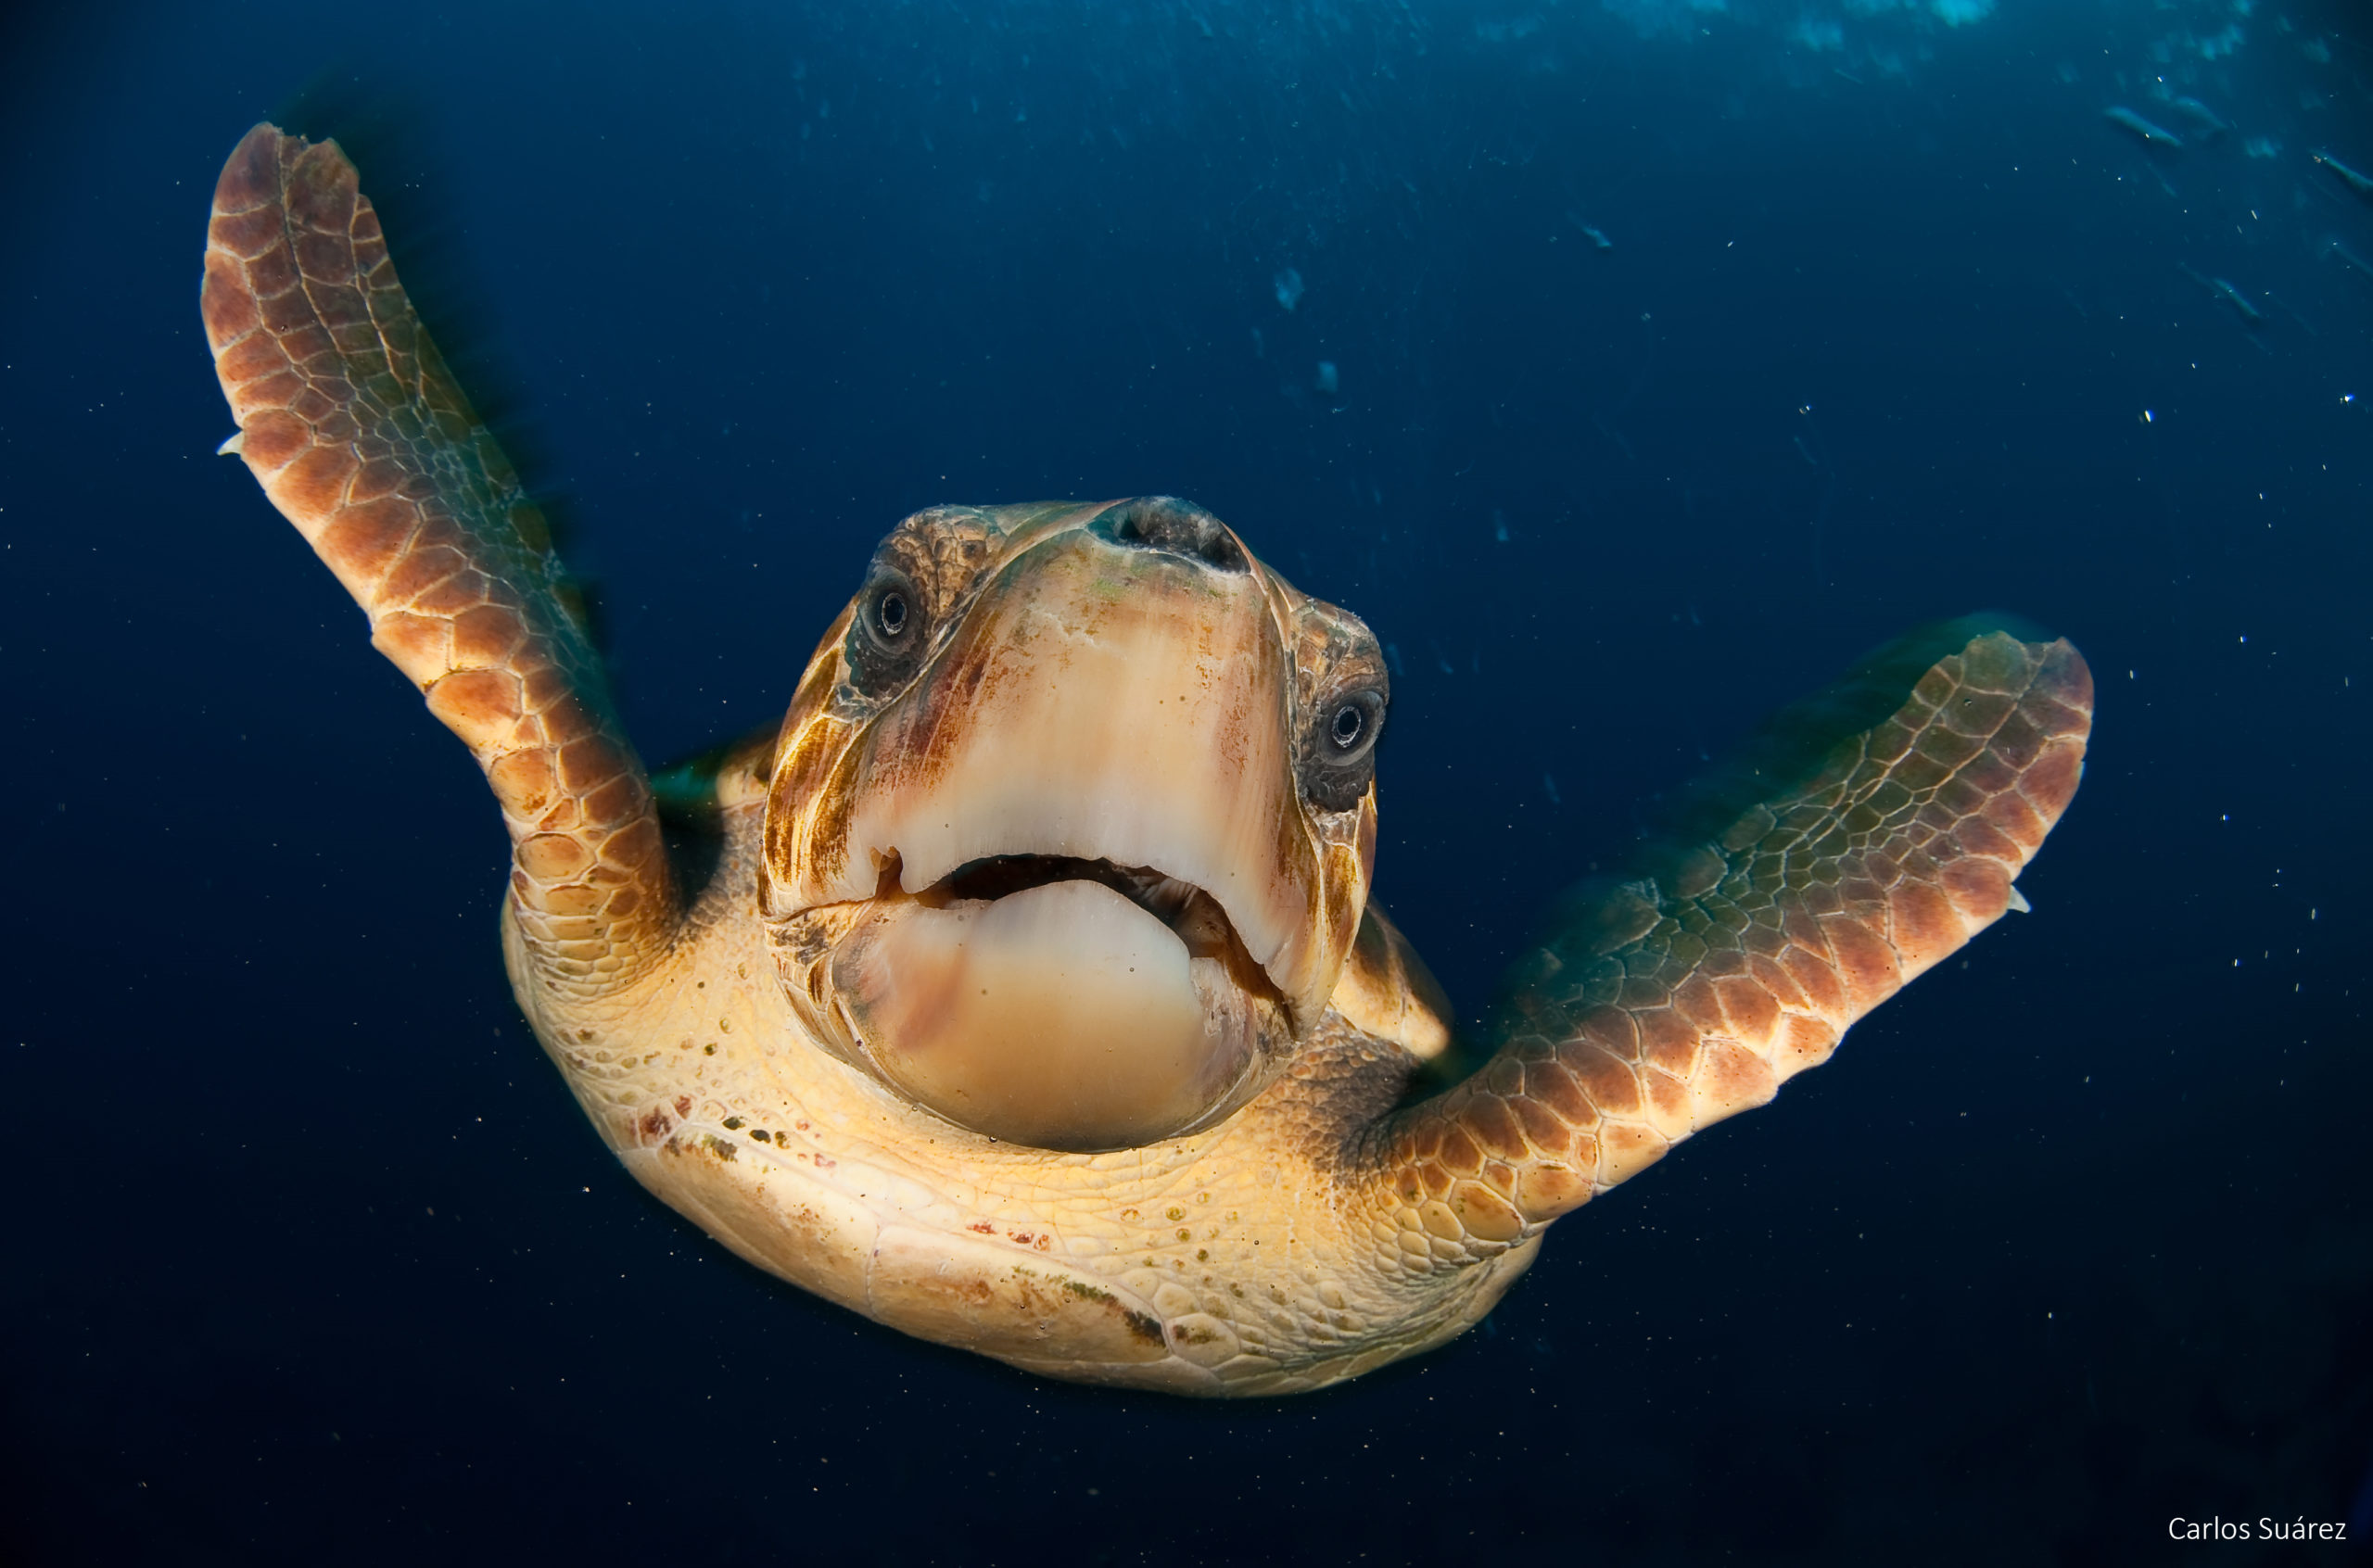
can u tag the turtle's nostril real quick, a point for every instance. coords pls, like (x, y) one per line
(1174, 527)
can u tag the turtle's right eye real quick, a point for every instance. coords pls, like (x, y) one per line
(1339, 761)
(887, 641)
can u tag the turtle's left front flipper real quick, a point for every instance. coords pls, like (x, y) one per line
(1875, 831)
(351, 422)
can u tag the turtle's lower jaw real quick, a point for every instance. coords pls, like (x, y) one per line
(1078, 1012)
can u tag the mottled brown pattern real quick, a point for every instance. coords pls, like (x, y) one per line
(358, 433)
(1691, 995)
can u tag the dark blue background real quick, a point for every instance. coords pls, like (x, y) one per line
(310, 1256)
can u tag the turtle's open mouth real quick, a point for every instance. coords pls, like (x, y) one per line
(1086, 892)
(1198, 921)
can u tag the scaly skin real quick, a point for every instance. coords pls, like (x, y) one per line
(1683, 999)
(356, 430)
(1312, 1234)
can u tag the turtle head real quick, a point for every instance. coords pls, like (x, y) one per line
(1071, 823)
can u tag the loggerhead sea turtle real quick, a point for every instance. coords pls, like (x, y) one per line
(1021, 990)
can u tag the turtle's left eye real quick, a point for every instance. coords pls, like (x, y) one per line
(887, 641)
(1341, 762)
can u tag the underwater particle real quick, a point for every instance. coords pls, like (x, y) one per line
(1595, 235)
(1499, 526)
(1650, 18)
(2251, 316)
(2216, 45)
(2332, 246)
(1288, 286)
(1549, 786)
(1327, 380)
(2153, 136)
(2360, 184)
(2262, 147)
(1961, 13)
(2200, 114)
(1507, 31)
(1818, 33)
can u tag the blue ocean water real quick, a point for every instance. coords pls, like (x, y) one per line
(1630, 366)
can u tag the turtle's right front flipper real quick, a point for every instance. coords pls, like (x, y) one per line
(1878, 829)
(357, 431)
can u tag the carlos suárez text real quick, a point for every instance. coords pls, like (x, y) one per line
(2182, 1529)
